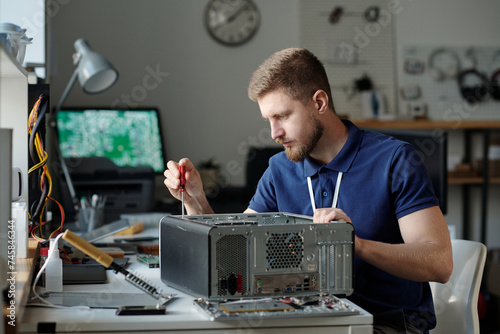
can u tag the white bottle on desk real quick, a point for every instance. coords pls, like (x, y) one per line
(54, 270)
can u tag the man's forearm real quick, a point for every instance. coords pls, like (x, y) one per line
(422, 262)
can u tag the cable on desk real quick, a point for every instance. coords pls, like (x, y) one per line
(46, 303)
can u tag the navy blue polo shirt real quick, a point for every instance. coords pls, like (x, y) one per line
(383, 180)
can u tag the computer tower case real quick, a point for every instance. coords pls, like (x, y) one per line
(228, 256)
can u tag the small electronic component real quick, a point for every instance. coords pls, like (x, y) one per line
(414, 66)
(152, 261)
(410, 92)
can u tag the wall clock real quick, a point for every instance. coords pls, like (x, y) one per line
(232, 22)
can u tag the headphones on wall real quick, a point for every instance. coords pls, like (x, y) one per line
(495, 77)
(450, 71)
(475, 93)
(495, 85)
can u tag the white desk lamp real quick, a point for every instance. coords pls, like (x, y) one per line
(95, 75)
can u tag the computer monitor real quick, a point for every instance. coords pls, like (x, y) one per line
(432, 147)
(129, 138)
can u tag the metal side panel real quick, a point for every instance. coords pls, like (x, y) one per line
(336, 251)
(184, 255)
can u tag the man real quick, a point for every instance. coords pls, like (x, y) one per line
(332, 170)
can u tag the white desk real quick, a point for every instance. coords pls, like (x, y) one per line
(182, 315)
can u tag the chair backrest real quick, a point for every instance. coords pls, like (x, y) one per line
(456, 301)
(257, 162)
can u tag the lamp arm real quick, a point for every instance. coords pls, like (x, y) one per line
(65, 171)
(67, 90)
(64, 167)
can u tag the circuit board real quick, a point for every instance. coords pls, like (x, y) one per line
(285, 307)
(153, 261)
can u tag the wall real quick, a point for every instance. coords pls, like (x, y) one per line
(457, 24)
(202, 85)
(202, 93)
(351, 48)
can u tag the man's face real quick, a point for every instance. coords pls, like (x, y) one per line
(293, 124)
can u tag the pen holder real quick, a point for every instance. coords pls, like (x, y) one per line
(90, 218)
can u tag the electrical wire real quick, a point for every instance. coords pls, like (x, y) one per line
(36, 116)
(45, 302)
(39, 157)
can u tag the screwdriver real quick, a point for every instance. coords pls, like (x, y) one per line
(182, 186)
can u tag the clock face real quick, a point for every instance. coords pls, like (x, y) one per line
(232, 22)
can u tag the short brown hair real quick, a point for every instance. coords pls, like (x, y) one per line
(296, 71)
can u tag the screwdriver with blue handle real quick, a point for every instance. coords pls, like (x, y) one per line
(182, 186)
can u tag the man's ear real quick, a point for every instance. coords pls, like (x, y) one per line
(320, 99)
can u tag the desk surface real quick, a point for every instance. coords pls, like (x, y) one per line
(182, 315)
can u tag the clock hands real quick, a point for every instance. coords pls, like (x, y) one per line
(231, 17)
(237, 12)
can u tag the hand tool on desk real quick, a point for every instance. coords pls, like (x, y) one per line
(182, 186)
(107, 261)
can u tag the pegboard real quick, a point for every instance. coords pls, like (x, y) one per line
(370, 44)
(442, 97)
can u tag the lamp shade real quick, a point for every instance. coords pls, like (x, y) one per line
(95, 73)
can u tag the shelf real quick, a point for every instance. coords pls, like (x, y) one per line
(14, 110)
(465, 180)
(9, 67)
(472, 180)
(427, 124)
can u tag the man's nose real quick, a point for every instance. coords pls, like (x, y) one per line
(276, 130)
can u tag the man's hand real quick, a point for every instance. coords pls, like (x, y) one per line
(326, 215)
(424, 256)
(195, 199)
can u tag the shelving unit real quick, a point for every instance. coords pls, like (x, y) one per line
(472, 180)
(13, 109)
(469, 127)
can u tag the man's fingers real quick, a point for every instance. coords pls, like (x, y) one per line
(326, 215)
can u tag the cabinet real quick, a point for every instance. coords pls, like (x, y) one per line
(13, 110)
(13, 107)
(485, 128)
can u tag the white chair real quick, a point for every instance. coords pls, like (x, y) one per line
(456, 301)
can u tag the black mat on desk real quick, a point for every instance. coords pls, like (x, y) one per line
(90, 272)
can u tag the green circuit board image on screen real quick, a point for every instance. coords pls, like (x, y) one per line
(129, 138)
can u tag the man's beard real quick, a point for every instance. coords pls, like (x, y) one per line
(302, 151)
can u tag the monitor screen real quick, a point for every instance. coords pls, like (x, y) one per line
(432, 147)
(129, 138)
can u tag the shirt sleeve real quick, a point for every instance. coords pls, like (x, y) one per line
(411, 184)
